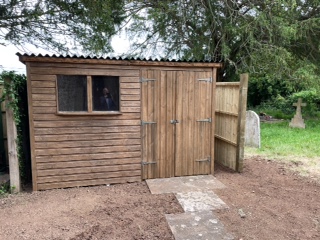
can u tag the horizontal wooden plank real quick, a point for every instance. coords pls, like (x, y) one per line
(84, 123)
(86, 150)
(130, 80)
(129, 91)
(99, 169)
(88, 163)
(44, 90)
(55, 117)
(42, 77)
(88, 143)
(130, 85)
(43, 84)
(44, 97)
(231, 84)
(226, 113)
(112, 132)
(85, 71)
(38, 103)
(83, 137)
(44, 110)
(81, 65)
(130, 103)
(225, 140)
(130, 97)
(89, 176)
(130, 109)
(44, 186)
(85, 157)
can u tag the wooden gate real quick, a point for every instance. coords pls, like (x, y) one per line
(176, 123)
(231, 101)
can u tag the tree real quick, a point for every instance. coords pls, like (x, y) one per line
(263, 37)
(59, 24)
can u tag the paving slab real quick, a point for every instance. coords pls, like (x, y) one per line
(184, 184)
(197, 226)
(200, 201)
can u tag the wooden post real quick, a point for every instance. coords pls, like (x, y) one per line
(14, 171)
(241, 120)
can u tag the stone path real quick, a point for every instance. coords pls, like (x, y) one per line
(196, 196)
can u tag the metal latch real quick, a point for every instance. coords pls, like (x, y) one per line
(146, 80)
(205, 79)
(147, 163)
(204, 160)
(205, 120)
(144, 123)
(174, 121)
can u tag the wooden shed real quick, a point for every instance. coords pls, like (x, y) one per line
(105, 120)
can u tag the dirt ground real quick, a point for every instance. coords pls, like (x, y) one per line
(278, 204)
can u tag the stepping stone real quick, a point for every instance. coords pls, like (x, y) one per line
(197, 225)
(200, 201)
(184, 184)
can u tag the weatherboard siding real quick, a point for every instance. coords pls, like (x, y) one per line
(83, 150)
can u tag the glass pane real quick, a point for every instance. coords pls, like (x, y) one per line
(72, 93)
(105, 93)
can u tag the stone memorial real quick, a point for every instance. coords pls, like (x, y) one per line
(297, 121)
(252, 131)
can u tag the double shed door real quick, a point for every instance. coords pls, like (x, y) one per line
(176, 123)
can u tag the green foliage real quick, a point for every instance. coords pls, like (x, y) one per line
(4, 189)
(14, 86)
(265, 38)
(55, 23)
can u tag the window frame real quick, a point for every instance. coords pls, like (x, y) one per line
(90, 110)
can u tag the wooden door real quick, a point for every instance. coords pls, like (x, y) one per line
(176, 123)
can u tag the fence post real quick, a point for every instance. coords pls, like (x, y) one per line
(15, 184)
(242, 120)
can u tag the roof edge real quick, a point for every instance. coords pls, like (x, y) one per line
(114, 60)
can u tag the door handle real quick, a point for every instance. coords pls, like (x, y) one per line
(174, 121)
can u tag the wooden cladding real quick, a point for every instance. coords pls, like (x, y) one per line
(82, 150)
(231, 100)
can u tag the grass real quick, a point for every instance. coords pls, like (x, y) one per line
(301, 147)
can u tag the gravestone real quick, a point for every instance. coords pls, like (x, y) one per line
(297, 121)
(252, 132)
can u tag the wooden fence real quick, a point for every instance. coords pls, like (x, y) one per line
(231, 101)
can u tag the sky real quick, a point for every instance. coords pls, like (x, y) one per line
(9, 61)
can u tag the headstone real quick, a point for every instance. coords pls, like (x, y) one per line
(252, 132)
(297, 121)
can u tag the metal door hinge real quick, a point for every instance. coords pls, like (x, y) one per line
(208, 159)
(205, 120)
(144, 123)
(147, 163)
(174, 121)
(142, 80)
(205, 79)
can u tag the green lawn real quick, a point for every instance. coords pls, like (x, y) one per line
(299, 146)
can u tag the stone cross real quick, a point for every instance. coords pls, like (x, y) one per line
(297, 120)
(299, 104)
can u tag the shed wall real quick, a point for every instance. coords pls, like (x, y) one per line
(82, 150)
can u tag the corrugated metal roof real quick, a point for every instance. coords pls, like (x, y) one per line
(115, 58)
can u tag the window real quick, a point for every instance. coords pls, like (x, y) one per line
(88, 94)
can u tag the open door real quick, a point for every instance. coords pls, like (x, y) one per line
(231, 102)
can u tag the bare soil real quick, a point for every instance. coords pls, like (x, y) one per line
(278, 204)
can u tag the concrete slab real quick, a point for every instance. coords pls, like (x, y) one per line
(200, 201)
(184, 184)
(197, 225)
